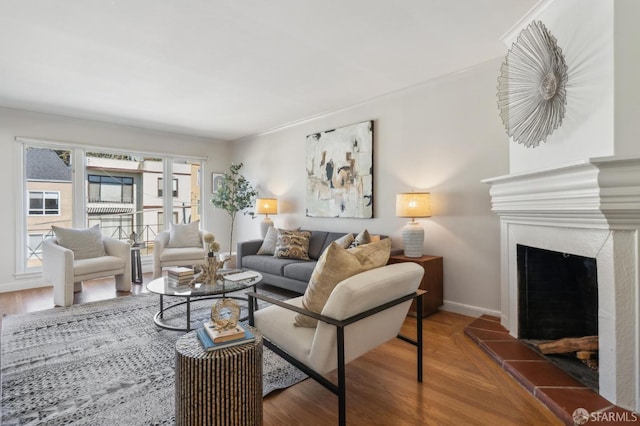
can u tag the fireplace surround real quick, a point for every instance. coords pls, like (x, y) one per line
(588, 208)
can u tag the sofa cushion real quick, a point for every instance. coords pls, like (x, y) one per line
(300, 271)
(84, 243)
(317, 244)
(187, 235)
(335, 265)
(292, 245)
(269, 264)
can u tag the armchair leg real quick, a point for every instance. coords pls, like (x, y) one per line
(123, 282)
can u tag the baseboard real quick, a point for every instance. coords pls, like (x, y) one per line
(23, 284)
(468, 310)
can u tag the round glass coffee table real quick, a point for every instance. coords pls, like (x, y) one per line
(200, 291)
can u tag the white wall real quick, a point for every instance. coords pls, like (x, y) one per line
(584, 32)
(627, 70)
(443, 137)
(15, 123)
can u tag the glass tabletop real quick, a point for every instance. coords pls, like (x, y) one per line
(226, 285)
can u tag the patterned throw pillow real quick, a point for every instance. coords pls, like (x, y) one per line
(362, 238)
(335, 265)
(84, 243)
(292, 244)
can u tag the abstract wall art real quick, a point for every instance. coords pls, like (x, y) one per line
(340, 172)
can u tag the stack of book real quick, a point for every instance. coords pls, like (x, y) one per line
(179, 276)
(212, 339)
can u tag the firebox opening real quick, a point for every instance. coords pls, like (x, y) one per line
(558, 298)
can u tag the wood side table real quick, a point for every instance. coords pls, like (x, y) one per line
(431, 281)
(220, 387)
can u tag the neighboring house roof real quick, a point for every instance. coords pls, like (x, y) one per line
(45, 165)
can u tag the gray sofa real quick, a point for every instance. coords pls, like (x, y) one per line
(290, 274)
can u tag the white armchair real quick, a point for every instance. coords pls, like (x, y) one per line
(362, 312)
(175, 256)
(66, 273)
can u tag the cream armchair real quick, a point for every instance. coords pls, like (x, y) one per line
(362, 312)
(176, 256)
(66, 273)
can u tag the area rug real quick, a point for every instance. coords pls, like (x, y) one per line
(101, 363)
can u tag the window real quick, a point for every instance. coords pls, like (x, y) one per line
(175, 187)
(120, 194)
(44, 203)
(160, 220)
(110, 189)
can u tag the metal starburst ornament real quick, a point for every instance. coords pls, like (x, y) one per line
(532, 86)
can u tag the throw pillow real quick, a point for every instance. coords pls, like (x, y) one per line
(362, 238)
(187, 235)
(335, 265)
(269, 243)
(345, 241)
(292, 244)
(84, 243)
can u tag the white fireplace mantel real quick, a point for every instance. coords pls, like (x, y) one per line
(589, 208)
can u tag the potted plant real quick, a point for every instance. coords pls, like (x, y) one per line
(235, 194)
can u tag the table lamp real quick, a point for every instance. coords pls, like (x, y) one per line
(413, 205)
(266, 206)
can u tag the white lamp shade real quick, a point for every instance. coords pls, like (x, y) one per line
(266, 206)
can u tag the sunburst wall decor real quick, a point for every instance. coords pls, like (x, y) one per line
(532, 86)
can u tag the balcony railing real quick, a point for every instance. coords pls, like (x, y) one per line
(144, 237)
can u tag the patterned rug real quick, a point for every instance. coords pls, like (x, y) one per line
(101, 363)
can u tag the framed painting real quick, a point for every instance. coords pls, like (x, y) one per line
(340, 172)
(216, 180)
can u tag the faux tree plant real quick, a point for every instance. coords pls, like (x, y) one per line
(235, 194)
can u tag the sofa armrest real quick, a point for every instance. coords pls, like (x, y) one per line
(246, 248)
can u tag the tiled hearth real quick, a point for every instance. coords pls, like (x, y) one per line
(561, 393)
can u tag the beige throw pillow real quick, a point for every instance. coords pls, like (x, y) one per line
(187, 235)
(269, 243)
(292, 245)
(84, 243)
(335, 265)
(345, 241)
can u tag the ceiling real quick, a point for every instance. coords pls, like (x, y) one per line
(226, 69)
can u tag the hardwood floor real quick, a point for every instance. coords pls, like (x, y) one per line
(461, 386)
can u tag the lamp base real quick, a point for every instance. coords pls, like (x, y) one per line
(264, 226)
(413, 239)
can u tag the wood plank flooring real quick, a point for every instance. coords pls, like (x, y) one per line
(462, 385)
